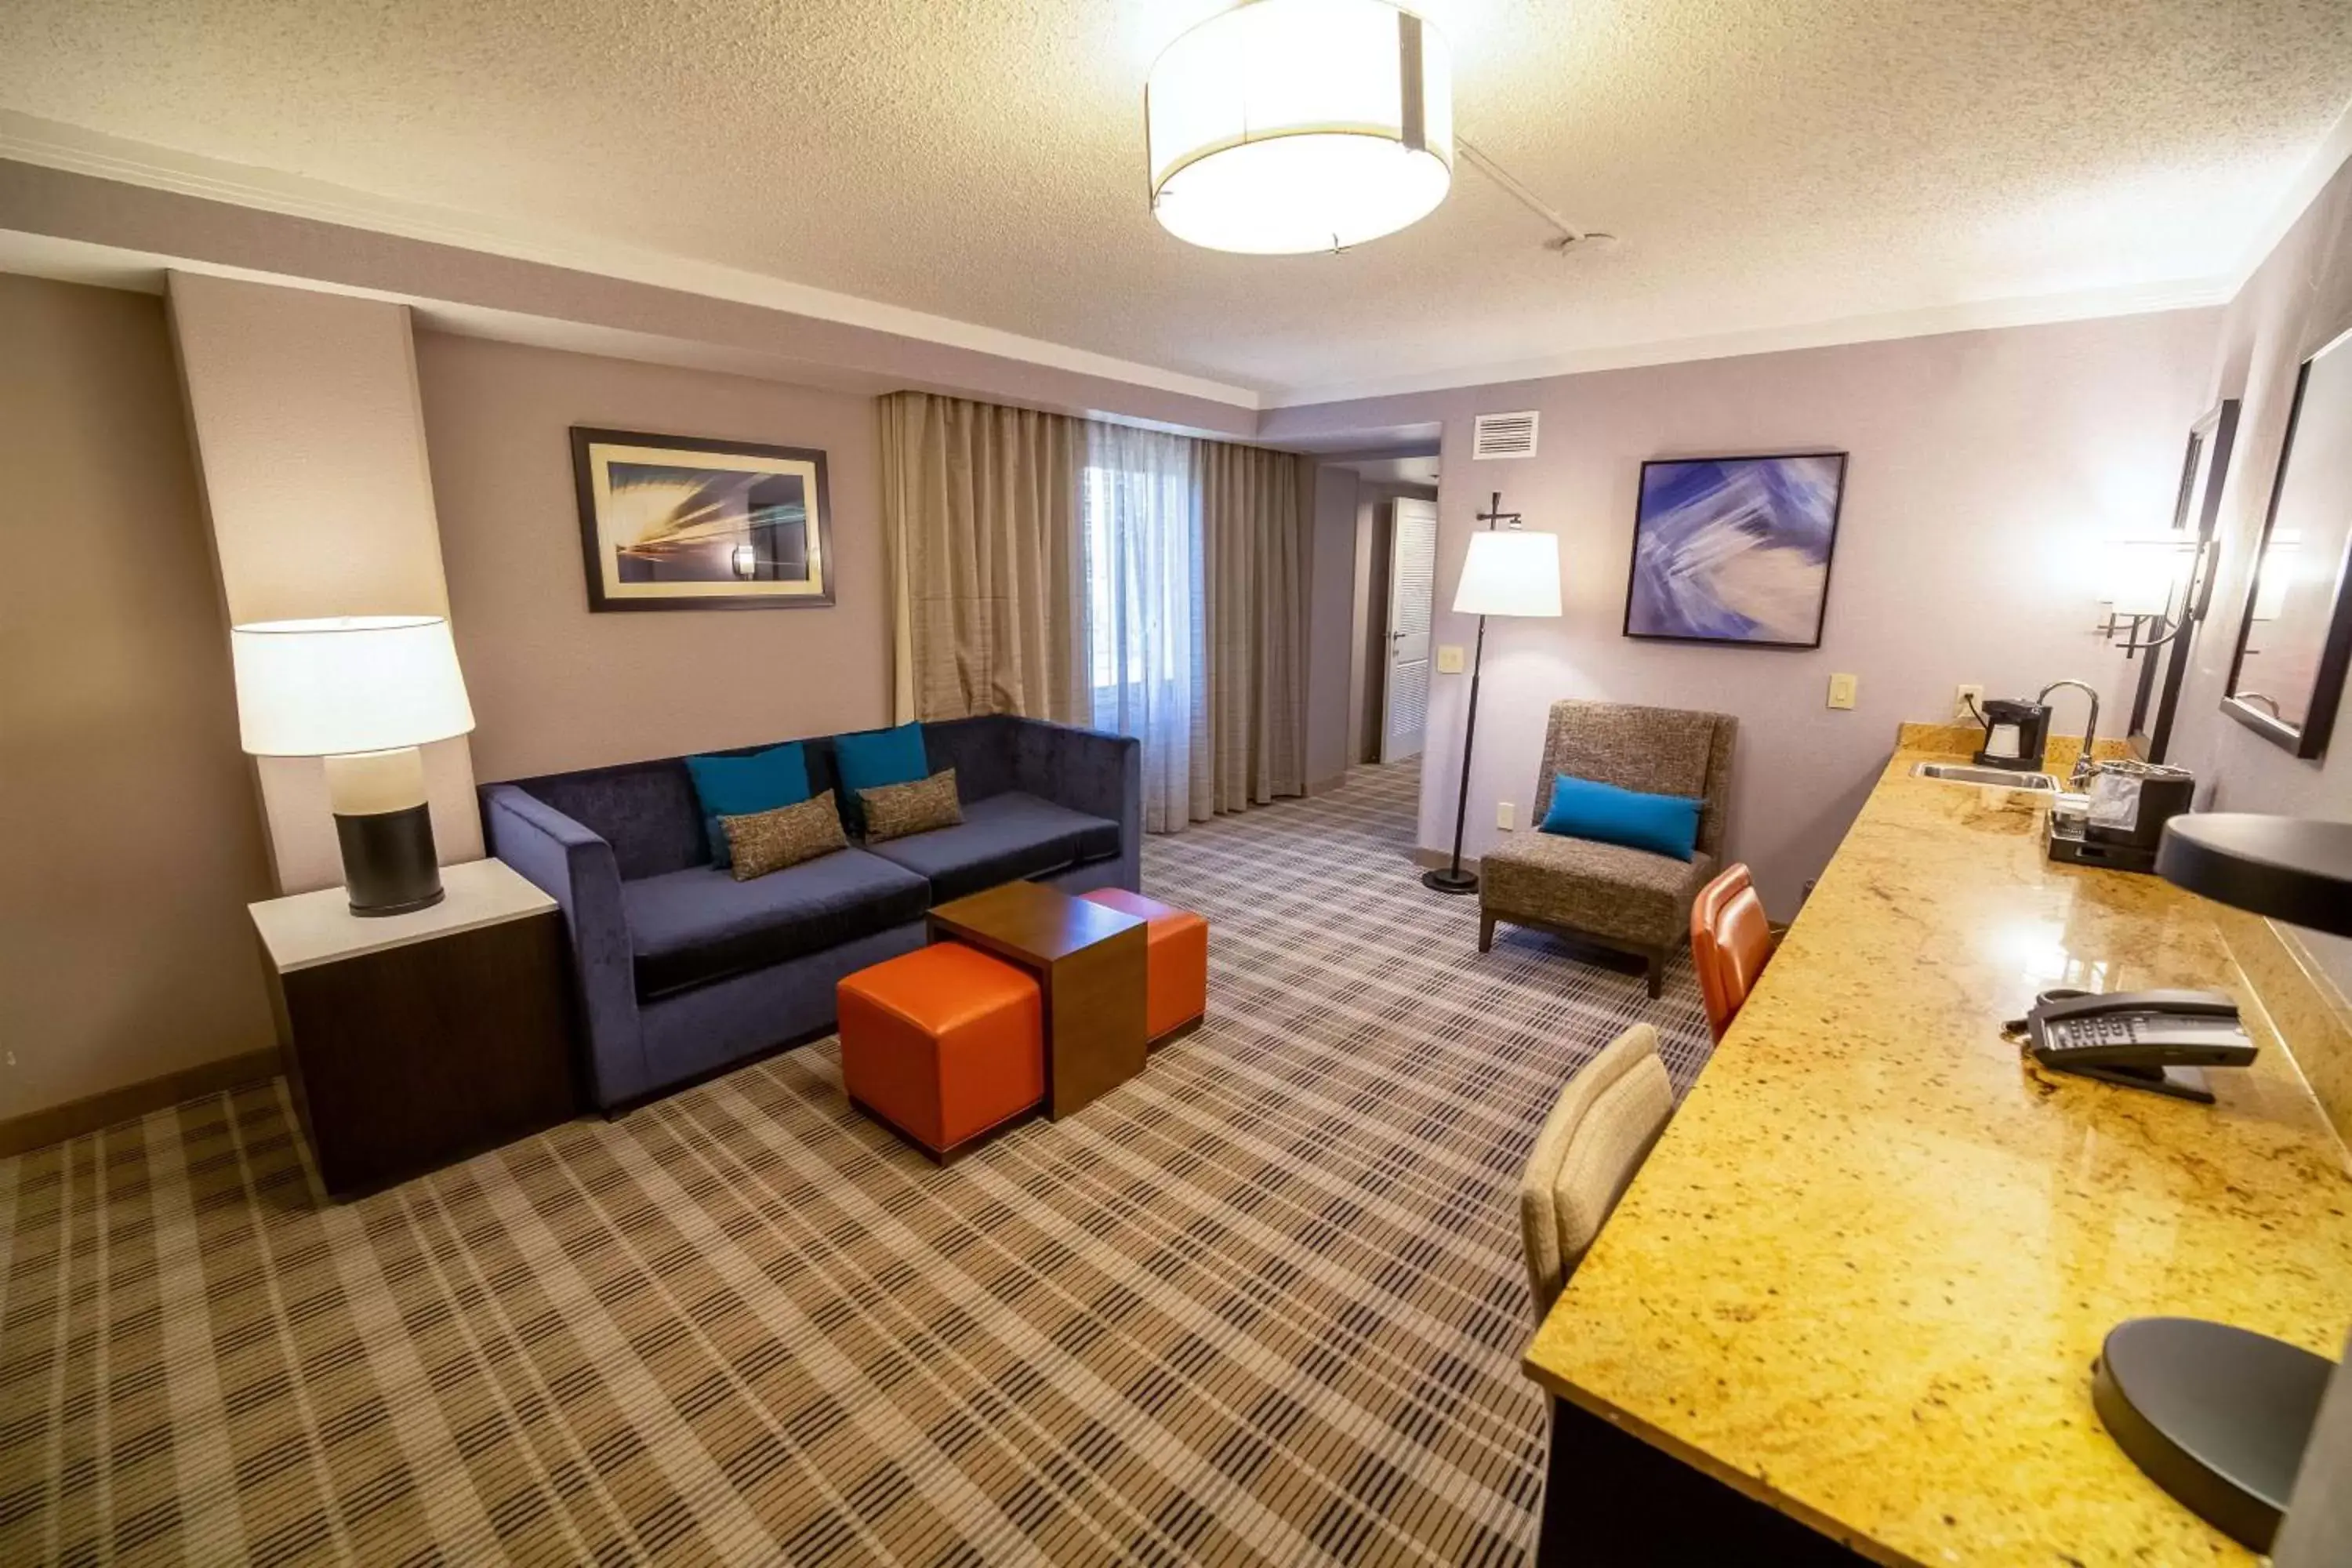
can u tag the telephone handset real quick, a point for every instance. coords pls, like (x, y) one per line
(2144, 1039)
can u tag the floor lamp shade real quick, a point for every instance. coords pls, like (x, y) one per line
(363, 692)
(1509, 573)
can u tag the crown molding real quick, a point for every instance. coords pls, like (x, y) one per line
(31, 139)
(2334, 149)
(48, 144)
(2042, 310)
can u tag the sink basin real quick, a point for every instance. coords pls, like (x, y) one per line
(1999, 778)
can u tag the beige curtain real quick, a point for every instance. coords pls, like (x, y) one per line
(1253, 522)
(979, 513)
(984, 510)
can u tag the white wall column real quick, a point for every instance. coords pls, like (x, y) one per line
(309, 438)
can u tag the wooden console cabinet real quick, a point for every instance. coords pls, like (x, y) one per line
(413, 1040)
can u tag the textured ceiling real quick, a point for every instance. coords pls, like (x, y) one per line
(1767, 164)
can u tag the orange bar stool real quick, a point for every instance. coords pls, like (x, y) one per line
(1176, 987)
(1730, 943)
(945, 1044)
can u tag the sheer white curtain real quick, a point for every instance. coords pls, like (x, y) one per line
(1146, 644)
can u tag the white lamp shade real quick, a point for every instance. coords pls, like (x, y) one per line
(2143, 571)
(352, 683)
(1509, 573)
(1295, 125)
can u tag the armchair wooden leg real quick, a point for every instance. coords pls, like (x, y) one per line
(1657, 973)
(1486, 931)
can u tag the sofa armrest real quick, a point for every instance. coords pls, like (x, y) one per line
(1088, 770)
(578, 870)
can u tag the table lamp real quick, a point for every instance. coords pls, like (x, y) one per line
(2219, 1416)
(1507, 572)
(363, 692)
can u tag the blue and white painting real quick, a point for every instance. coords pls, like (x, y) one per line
(1736, 548)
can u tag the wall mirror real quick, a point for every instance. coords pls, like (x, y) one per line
(2196, 512)
(2287, 676)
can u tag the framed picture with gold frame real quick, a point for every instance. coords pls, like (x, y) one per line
(677, 523)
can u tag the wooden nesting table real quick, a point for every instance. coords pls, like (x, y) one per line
(1089, 962)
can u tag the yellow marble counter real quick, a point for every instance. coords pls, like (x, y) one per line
(1864, 1274)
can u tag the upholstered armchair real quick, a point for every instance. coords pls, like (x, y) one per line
(1630, 899)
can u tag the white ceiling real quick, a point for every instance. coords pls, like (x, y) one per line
(1769, 167)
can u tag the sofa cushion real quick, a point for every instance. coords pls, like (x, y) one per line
(1001, 839)
(1608, 890)
(737, 785)
(689, 927)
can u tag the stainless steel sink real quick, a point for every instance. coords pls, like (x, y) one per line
(2000, 778)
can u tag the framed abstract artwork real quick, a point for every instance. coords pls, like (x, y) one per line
(1735, 550)
(673, 522)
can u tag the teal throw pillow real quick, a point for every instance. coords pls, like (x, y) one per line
(1661, 824)
(881, 757)
(745, 787)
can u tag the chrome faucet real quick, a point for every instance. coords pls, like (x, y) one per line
(2082, 775)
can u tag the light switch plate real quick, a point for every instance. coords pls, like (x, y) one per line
(1841, 691)
(1449, 658)
(1503, 815)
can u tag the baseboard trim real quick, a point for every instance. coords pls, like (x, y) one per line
(56, 1123)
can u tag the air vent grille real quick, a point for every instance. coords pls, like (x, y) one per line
(1504, 435)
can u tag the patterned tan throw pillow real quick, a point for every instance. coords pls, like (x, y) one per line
(895, 810)
(767, 841)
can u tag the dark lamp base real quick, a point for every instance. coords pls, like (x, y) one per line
(1443, 881)
(2218, 1416)
(389, 867)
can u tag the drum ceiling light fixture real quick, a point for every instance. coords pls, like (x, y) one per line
(1287, 126)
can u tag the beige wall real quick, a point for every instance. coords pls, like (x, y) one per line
(2299, 299)
(555, 687)
(311, 452)
(1331, 661)
(1987, 469)
(129, 837)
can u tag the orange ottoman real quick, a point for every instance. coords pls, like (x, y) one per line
(1176, 990)
(943, 1043)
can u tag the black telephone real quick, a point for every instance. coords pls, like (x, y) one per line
(2144, 1039)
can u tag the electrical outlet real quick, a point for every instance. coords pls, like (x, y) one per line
(1841, 691)
(1449, 658)
(1503, 815)
(1966, 697)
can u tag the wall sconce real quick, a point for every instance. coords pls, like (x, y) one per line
(2145, 576)
(746, 561)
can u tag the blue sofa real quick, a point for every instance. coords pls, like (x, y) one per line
(683, 971)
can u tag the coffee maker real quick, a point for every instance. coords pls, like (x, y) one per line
(2123, 816)
(2016, 734)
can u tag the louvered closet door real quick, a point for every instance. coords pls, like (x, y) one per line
(1412, 561)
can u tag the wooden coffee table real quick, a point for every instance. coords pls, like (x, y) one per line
(1089, 964)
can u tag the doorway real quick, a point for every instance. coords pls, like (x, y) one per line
(1413, 570)
(1389, 665)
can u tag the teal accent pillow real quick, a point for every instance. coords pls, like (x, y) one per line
(744, 786)
(881, 757)
(1661, 824)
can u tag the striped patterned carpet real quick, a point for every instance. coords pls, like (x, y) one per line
(1263, 1304)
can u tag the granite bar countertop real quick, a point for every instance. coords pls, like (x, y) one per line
(1864, 1274)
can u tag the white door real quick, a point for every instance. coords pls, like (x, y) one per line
(1412, 561)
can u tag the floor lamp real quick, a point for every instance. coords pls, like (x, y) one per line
(1507, 572)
